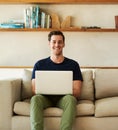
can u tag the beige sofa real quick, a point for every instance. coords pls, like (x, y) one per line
(97, 108)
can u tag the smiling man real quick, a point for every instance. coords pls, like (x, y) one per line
(56, 61)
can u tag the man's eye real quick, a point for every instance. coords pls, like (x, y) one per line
(53, 41)
(59, 42)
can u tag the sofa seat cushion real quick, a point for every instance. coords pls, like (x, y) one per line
(22, 107)
(84, 107)
(106, 107)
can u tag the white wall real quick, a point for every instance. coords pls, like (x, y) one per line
(88, 48)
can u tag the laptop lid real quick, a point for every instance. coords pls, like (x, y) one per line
(54, 82)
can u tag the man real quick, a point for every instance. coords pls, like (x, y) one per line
(39, 102)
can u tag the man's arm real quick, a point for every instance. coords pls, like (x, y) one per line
(77, 88)
(33, 86)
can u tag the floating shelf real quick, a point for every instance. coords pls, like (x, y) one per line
(65, 29)
(60, 1)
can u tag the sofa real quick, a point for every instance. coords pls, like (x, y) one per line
(97, 107)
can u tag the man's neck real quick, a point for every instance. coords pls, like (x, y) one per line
(57, 59)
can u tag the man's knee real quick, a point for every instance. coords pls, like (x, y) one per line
(70, 99)
(36, 99)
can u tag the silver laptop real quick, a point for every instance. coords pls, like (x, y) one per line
(54, 82)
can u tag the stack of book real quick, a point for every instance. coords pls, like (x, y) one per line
(12, 25)
(34, 17)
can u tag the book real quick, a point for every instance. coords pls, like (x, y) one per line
(43, 19)
(38, 17)
(33, 17)
(27, 17)
(49, 21)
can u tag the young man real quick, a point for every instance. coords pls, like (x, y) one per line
(39, 102)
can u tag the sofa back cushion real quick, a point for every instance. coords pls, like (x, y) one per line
(26, 84)
(87, 92)
(106, 83)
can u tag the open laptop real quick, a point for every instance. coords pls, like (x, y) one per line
(54, 82)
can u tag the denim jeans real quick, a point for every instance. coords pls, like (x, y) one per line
(40, 102)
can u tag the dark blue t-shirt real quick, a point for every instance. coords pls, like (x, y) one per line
(66, 65)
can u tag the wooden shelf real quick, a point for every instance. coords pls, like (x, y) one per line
(59, 1)
(82, 67)
(65, 30)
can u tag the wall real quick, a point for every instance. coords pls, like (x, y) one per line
(88, 48)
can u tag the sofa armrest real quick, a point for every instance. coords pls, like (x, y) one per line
(10, 91)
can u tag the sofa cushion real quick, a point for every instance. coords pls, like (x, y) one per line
(106, 83)
(87, 91)
(26, 84)
(106, 107)
(84, 107)
(22, 108)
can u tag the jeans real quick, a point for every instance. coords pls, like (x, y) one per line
(40, 102)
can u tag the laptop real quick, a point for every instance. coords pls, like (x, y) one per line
(54, 82)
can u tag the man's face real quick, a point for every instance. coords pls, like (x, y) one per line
(56, 44)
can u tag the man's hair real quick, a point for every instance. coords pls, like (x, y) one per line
(55, 33)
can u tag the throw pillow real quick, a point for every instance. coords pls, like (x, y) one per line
(26, 84)
(87, 91)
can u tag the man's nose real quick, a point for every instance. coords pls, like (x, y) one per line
(57, 44)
